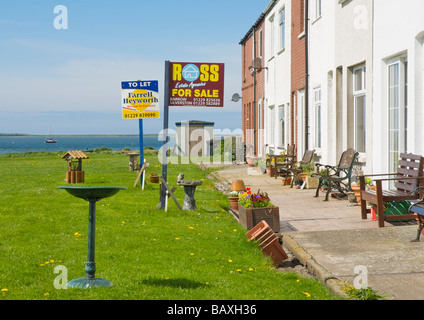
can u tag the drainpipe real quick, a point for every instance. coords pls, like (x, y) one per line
(254, 93)
(306, 75)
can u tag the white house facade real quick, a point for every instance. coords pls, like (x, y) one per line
(277, 58)
(398, 78)
(321, 63)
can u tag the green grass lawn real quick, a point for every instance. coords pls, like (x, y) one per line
(146, 253)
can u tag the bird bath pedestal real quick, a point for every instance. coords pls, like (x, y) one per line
(92, 195)
(189, 190)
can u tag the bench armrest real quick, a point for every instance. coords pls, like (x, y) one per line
(400, 178)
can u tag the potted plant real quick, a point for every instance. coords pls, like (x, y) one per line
(356, 188)
(153, 176)
(255, 207)
(233, 199)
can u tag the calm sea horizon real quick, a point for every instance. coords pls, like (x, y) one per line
(22, 144)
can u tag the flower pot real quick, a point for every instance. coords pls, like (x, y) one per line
(154, 179)
(286, 181)
(250, 161)
(233, 203)
(238, 185)
(270, 171)
(274, 249)
(250, 217)
(312, 182)
(357, 191)
(268, 241)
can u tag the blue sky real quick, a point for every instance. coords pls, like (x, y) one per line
(70, 79)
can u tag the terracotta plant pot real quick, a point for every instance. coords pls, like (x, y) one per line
(286, 181)
(238, 185)
(268, 241)
(250, 162)
(233, 203)
(357, 191)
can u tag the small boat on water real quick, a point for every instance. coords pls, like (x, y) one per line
(50, 140)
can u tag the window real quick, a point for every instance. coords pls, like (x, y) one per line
(359, 106)
(397, 108)
(271, 34)
(318, 118)
(260, 44)
(271, 126)
(283, 28)
(282, 125)
(317, 9)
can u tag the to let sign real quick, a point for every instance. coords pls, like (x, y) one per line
(196, 84)
(140, 99)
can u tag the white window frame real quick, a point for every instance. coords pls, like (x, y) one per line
(401, 109)
(271, 37)
(260, 42)
(317, 9)
(271, 125)
(359, 93)
(318, 117)
(282, 23)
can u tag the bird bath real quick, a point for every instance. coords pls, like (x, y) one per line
(91, 194)
(189, 190)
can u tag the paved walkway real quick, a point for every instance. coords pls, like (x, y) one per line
(336, 245)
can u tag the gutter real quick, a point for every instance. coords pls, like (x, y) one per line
(306, 75)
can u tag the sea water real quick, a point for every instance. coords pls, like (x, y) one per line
(20, 144)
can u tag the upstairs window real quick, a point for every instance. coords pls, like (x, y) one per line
(283, 28)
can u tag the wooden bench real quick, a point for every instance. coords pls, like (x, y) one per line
(407, 179)
(289, 159)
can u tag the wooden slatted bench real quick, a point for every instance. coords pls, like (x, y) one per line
(407, 179)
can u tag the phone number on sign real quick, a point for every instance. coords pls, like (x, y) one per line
(141, 116)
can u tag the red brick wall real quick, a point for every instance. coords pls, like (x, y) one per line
(298, 59)
(248, 98)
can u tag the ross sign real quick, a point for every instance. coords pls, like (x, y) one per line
(140, 99)
(196, 84)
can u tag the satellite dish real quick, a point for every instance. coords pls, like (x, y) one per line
(257, 63)
(236, 97)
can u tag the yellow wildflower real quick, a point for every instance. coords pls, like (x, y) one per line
(230, 261)
(306, 294)
(4, 290)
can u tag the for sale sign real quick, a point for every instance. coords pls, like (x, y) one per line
(140, 99)
(196, 84)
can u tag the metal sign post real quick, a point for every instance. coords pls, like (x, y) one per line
(163, 195)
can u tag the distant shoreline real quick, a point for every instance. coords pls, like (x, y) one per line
(76, 135)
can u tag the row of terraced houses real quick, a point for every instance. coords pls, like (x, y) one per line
(335, 74)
